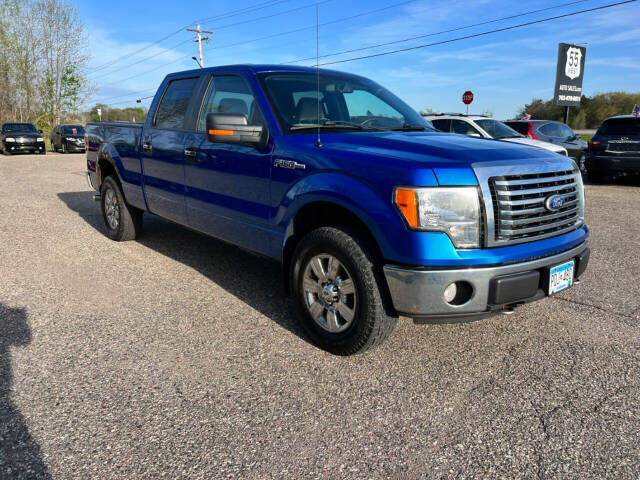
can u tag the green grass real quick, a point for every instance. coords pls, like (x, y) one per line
(586, 138)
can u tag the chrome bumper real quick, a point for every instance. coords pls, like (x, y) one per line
(420, 293)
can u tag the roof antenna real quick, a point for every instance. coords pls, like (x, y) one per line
(318, 141)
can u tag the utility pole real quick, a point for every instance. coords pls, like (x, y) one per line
(200, 39)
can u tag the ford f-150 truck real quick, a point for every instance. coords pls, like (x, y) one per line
(372, 214)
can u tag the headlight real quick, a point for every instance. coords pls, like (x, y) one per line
(453, 210)
(9, 139)
(39, 139)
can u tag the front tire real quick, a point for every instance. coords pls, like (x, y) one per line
(339, 291)
(122, 222)
(64, 147)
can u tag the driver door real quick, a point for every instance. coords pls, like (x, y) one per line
(227, 185)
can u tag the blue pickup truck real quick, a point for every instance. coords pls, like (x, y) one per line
(372, 213)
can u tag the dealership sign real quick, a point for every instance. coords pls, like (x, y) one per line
(569, 75)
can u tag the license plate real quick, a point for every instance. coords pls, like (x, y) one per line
(561, 277)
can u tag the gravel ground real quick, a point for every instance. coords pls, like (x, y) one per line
(177, 356)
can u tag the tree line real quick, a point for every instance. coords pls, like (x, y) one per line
(113, 114)
(591, 112)
(43, 62)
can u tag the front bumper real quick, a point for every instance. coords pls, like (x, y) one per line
(75, 146)
(18, 147)
(419, 293)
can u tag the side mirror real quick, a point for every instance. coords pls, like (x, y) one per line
(232, 128)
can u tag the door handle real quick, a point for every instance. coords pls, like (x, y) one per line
(146, 146)
(191, 155)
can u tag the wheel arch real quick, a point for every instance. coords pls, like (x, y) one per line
(323, 213)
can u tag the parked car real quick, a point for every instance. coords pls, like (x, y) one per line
(553, 132)
(614, 150)
(481, 126)
(68, 138)
(21, 138)
(371, 213)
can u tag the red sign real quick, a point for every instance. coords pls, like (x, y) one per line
(467, 97)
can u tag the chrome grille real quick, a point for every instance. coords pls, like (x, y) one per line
(520, 213)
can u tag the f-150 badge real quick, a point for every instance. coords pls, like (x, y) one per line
(290, 164)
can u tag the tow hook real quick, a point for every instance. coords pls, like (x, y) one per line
(96, 197)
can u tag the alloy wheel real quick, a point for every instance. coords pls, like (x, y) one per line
(329, 293)
(111, 208)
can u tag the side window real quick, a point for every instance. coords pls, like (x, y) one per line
(460, 126)
(172, 109)
(565, 132)
(550, 130)
(442, 124)
(230, 94)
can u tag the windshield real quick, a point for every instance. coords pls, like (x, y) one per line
(19, 127)
(621, 127)
(497, 129)
(72, 130)
(344, 103)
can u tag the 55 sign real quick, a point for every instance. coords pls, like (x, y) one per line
(569, 75)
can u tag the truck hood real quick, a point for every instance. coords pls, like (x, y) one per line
(22, 134)
(434, 148)
(409, 156)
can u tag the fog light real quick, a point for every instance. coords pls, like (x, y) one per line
(450, 293)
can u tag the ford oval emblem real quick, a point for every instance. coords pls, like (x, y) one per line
(553, 203)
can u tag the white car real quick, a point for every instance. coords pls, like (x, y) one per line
(481, 126)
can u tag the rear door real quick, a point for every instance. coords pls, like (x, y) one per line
(163, 145)
(227, 186)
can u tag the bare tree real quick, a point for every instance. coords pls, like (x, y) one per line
(43, 61)
(63, 60)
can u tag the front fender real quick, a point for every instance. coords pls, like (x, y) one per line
(376, 212)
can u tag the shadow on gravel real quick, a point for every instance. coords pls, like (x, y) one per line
(20, 456)
(254, 280)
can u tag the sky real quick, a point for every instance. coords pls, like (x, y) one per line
(505, 70)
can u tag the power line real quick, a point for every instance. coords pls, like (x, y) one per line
(242, 11)
(156, 42)
(142, 60)
(105, 100)
(339, 20)
(272, 15)
(233, 13)
(466, 37)
(497, 30)
(433, 34)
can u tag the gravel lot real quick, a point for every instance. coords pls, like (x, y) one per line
(177, 356)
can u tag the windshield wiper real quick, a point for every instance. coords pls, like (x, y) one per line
(407, 127)
(330, 125)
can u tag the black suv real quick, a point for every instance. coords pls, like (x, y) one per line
(68, 138)
(615, 148)
(21, 138)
